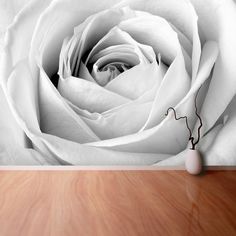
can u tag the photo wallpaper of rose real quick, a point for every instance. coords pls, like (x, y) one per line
(117, 83)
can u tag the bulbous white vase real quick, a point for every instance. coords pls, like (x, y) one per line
(193, 162)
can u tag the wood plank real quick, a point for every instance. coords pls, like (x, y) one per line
(117, 203)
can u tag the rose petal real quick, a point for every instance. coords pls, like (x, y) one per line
(208, 141)
(76, 154)
(168, 137)
(88, 95)
(153, 31)
(8, 10)
(21, 95)
(57, 118)
(173, 88)
(23, 157)
(223, 153)
(209, 55)
(63, 56)
(117, 53)
(208, 58)
(184, 41)
(181, 14)
(118, 37)
(108, 73)
(10, 132)
(17, 46)
(88, 37)
(135, 81)
(222, 150)
(174, 161)
(52, 28)
(111, 57)
(117, 122)
(148, 96)
(84, 73)
(217, 21)
(11, 135)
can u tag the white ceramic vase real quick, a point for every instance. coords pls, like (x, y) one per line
(193, 162)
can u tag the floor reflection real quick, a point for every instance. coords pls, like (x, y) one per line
(193, 187)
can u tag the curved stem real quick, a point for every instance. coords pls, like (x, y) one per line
(200, 119)
(191, 138)
(186, 121)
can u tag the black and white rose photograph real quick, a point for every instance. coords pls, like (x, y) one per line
(118, 83)
(117, 117)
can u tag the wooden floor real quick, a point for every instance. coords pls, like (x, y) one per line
(117, 203)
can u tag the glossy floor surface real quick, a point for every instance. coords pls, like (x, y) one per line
(117, 203)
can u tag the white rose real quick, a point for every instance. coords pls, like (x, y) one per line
(120, 66)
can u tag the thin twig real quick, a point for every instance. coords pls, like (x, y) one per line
(186, 121)
(200, 119)
(191, 138)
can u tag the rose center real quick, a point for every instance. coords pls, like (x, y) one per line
(108, 63)
(109, 72)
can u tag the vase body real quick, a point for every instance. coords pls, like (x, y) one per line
(193, 162)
